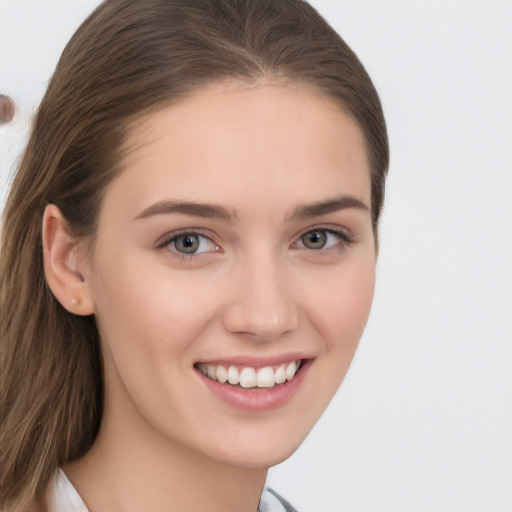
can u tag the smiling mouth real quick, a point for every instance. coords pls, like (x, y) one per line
(250, 377)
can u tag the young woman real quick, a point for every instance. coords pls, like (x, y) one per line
(188, 256)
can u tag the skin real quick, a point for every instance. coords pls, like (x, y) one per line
(253, 291)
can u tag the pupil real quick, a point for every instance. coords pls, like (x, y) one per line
(187, 244)
(314, 240)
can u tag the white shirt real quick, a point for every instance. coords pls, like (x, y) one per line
(66, 499)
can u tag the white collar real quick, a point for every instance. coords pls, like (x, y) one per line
(65, 498)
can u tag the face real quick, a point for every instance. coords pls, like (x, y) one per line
(236, 244)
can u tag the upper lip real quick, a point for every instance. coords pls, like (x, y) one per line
(255, 361)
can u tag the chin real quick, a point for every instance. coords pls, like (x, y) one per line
(262, 452)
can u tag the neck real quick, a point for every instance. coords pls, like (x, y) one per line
(126, 471)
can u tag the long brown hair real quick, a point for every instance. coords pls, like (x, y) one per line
(129, 58)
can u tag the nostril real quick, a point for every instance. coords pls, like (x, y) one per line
(7, 109)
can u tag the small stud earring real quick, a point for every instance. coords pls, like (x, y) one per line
(75, 302)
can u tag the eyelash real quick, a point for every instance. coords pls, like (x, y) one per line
(345, 240)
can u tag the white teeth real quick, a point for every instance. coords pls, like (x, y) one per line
(265, 377)
(290, 370)
(280, 375)
(249, 377)
(211, 371)
(221, 374)
(233, 375)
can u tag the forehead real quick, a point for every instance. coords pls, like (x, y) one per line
(226, 141)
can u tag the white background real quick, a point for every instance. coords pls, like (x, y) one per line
(423, 421)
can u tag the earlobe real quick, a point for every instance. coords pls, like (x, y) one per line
(64, 264)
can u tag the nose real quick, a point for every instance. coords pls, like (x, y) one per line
(263, 305)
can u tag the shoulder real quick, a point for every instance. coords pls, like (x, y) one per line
(271, 501)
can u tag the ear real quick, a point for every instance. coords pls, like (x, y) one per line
(65, 264)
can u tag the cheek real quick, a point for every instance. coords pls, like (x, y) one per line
(342, 309)
(148, 324)
(143, 310)
(340, 316)
(150, 319)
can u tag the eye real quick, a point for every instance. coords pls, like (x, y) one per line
(188, 243)
(318, 239)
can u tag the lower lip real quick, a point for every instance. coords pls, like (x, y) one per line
(258, 399)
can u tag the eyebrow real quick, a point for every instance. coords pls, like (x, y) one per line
(209, 211)
(212, 211)
(325, 207)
